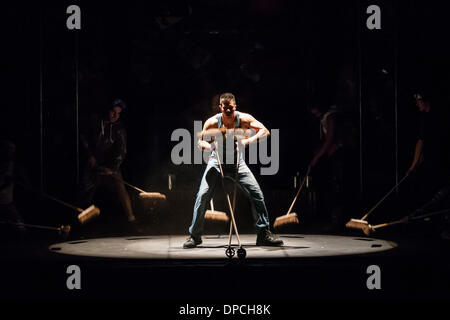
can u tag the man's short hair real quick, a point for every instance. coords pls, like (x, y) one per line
(227, 98)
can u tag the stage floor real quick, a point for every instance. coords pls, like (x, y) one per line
(213, 247)
(157, 268)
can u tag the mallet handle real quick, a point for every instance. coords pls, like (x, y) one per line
(430, 214)
(299, 190)
(388, 224)
(42, 194)
(31, 226)
(382, 199)
(230, 206)
(61, 202)
(221, 131)
(128, 184)
(405, 219)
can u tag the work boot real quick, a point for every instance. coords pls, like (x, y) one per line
(267, 238)
(192, 242)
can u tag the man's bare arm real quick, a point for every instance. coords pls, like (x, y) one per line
(211, 123)
(249, 122)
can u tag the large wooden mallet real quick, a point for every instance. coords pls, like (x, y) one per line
(84, 215)
(213, 134)
(291, 218)
(63, 230)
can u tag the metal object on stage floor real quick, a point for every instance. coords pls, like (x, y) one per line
(143, 194)
(216, 215)
(290, 218)
(362, 224)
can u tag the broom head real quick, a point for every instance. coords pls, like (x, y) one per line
(216, 216)
(152, 195)
(88, 214)
(357, 224)
(286, 219)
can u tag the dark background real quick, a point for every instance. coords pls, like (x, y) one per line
(278, 57)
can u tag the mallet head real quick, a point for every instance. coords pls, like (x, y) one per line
(291, 218)
(152, 196)
(88, 214)
(216, 216)
(357, 224)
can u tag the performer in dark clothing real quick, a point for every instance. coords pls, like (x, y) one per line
(104, 145)
(329, 158)
(430, 162)
(8, 211)
(430, 154)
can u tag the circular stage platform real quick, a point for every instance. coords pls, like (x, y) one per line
(213, 247)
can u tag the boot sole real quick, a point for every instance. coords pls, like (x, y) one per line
(192, 246)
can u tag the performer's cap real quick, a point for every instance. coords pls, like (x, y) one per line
(120, 103)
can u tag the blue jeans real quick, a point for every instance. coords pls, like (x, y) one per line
(246, 181)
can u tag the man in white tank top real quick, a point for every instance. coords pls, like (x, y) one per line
(229, 118)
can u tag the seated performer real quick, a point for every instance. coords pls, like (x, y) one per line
(229, 118)
(104, 145)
